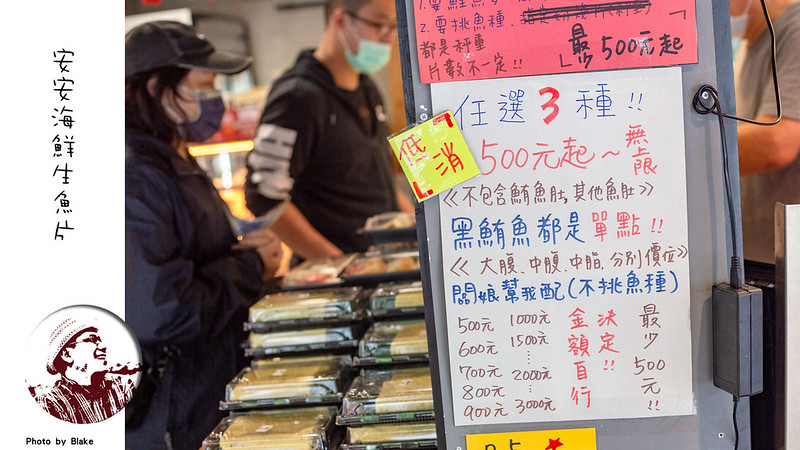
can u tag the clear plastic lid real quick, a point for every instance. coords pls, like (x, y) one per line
(391, 220)
(394, 338)
(397, 295)
(313, 303)
(382, 248)
(289, 377)
(381, 264)
(295, 338)
(389, 433)
(430, 444)
(296, 429)
(317, 272)
(391, 227)
(390, 391)
(341, 361)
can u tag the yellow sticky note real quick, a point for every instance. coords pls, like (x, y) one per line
(574, 439)
(434, 156)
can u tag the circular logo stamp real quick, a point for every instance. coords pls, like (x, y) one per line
(83, 364)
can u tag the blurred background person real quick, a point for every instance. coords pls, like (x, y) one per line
(321, 144)
(768, 155)
(189, 281)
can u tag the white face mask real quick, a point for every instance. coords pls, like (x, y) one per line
(739, 23)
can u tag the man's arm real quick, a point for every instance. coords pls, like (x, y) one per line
(767, 148)
(295, 231)
(773, 147)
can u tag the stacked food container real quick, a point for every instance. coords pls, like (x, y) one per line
(303, 321)
(389, 404)
(389, 407)
(301, 343)
(301, 428)
(339, 355)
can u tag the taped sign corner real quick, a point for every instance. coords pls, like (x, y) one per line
(434, 156)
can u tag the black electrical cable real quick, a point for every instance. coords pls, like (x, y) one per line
(701, 105)
(774, 74)
(702, 108)
(735, 424)
(705, 92)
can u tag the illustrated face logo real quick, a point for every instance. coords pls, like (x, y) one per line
(83, 364)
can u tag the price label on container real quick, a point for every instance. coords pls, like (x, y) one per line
(434, 156)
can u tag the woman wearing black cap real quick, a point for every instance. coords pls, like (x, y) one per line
(189, 282)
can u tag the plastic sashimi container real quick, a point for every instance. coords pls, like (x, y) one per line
(317, 272)
(390, 433)
(378, 392)
(393, 338)
(295, 429)
(396, 298)
(312, 304)
(302, 376)
(300, 337)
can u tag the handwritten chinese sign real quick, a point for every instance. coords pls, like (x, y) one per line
(480, 39)
(566, 268)
(575, 439)
(63, 140)
(434, 156)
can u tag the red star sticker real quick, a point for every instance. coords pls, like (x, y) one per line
(554, 444)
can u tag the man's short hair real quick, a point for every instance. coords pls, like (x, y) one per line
(348, 5)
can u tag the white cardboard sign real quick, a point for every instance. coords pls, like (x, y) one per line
(566, 268)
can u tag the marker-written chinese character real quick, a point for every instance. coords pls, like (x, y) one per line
(434, 156)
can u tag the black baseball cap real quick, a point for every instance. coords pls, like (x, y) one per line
(164, 43)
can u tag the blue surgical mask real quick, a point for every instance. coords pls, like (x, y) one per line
(372, 56)
(210, 110)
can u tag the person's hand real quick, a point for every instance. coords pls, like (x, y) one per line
(268, 246)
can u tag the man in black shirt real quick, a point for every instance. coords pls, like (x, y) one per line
(321, 146)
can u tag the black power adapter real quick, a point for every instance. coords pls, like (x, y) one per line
(738, 339)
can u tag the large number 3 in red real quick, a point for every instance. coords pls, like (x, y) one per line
(550, 103)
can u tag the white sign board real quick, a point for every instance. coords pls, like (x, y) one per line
(789, 248)
(566, 268)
